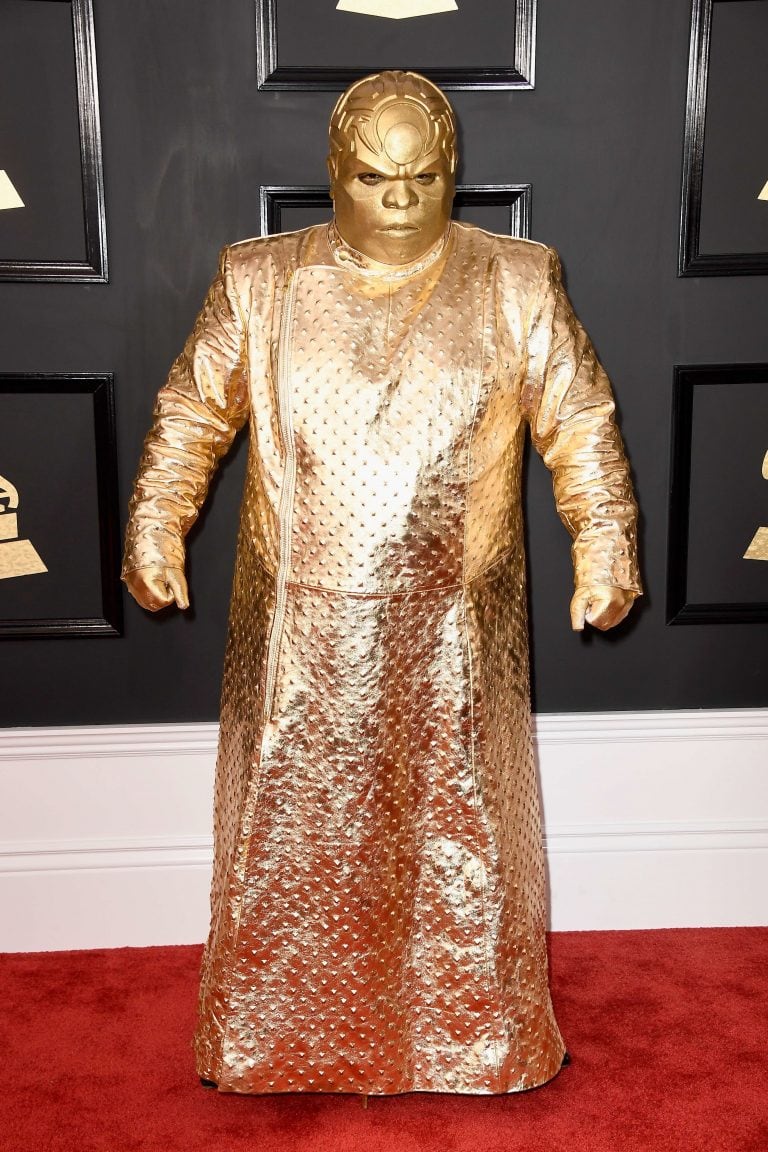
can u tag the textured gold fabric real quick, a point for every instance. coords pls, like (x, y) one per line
(378, 906)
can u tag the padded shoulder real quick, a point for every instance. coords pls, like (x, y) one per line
(283, 250)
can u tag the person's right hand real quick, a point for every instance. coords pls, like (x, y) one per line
(157, 587)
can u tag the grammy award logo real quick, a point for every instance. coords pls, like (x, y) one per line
(758, 549)
(397, 9)
(9, 197)
(17, 557)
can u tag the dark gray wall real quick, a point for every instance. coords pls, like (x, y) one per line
(188, 138)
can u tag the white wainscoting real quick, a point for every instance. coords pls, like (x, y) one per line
(652, 819)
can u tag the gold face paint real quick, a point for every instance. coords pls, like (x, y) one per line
(392, 165)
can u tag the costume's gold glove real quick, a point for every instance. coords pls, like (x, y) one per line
(157, 587)
(601, 606)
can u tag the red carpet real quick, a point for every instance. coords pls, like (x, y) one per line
(668, 1031)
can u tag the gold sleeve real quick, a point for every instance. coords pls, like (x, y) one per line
(197, 414)
(569, 405)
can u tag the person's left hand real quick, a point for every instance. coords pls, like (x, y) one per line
(600, 605)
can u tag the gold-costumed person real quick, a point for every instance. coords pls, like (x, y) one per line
(378, 902)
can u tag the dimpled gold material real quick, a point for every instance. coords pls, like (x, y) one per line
(378, 896)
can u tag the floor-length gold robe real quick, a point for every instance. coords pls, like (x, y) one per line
(378, 906)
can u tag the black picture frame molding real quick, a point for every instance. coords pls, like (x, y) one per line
(691, 261)
(272, 75)
(100, 386)
(517, 198)
(94, 269)
(680, 610)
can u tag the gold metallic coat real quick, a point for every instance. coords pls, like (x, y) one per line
(378, 906)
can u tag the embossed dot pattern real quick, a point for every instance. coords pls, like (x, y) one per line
(378, 904)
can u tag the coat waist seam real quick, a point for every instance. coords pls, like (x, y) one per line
(386, 595)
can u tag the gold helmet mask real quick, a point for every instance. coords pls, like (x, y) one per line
(392, 165)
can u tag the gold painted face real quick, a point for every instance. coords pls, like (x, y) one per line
(392, 166)
(391, 212)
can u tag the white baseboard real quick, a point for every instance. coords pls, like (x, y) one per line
(652, 819)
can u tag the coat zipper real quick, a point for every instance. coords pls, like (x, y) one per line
(287, 493)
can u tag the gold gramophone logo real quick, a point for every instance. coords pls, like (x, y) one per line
(17, 557)
(9, 197)
(397, 9)
(758, 549)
